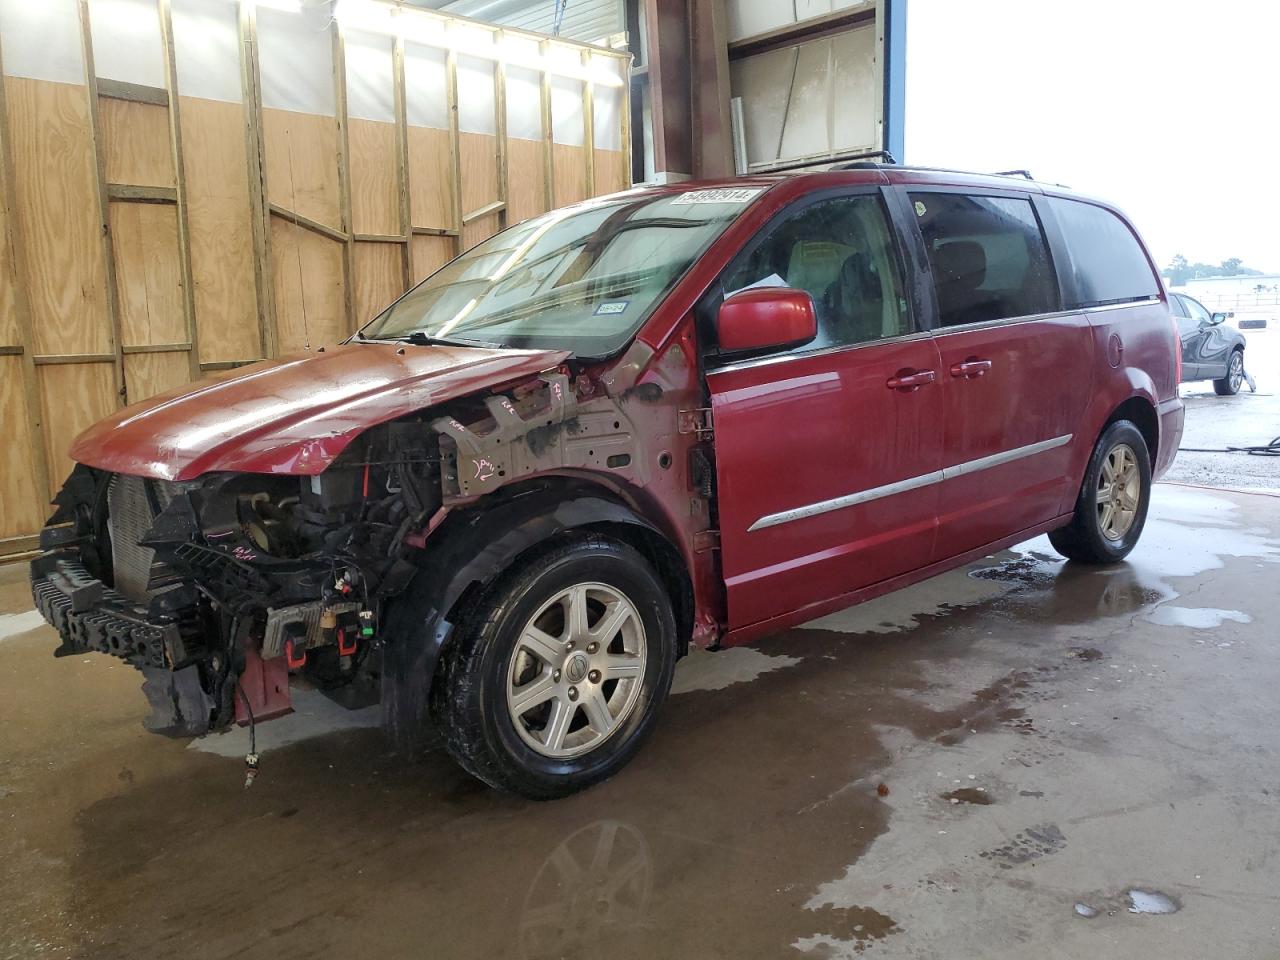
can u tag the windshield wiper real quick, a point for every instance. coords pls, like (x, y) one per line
(420, 339)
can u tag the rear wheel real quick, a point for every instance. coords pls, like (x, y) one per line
(1111, 509)
(1229, 385)
(559, 677)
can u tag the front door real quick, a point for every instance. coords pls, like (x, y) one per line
(1015, 370)
(827, 455)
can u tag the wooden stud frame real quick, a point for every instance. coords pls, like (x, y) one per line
(500, 128)
(455, 150)
(251, 91)
(12, 272)
(548, 134)
(180, 190)
(402, 162)
(344, 172)
(104, 202)
(589, 128)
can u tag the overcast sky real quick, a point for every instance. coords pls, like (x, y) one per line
(1170, 110)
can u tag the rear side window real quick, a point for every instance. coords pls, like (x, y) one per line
(1107, 261)
(988, 257)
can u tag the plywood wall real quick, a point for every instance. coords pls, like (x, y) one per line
(169, 219)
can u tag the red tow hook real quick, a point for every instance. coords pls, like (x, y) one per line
(295, 654)
(346, 648)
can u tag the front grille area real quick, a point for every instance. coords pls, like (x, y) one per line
(130, 516)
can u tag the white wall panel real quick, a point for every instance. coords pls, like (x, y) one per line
(296, 57)
(524, 103)
(566, 111)
(126, 41)
(370, 76)
(206, 41)
(41, 40)
(475, 95)
(424, 80)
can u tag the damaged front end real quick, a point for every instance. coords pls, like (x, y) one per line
(218, 588)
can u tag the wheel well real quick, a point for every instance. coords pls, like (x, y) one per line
(662, 554)
(1143, 414)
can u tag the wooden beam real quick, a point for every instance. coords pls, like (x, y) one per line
(434, 232)
(498, 206)
(344, 171)
(315, 226)
(51, 359)
(251, 94)
(13, 274)
(104, 202)
(180, 191)
(227, 364)
(548, 135)
(159, 348)
(17, 350)
(502, 146)
(402, 159)
(136, 92)
(380, 238)
(455, 149)
(141, 194)
(806, 30)
(589, 127)
(625, 120)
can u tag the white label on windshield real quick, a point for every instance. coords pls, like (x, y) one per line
(722, 195)
(612, 308)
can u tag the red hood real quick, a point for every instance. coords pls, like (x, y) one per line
(296, 414)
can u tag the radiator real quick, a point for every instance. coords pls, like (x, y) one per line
(129, 517)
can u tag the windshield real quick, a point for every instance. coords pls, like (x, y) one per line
(582, 279)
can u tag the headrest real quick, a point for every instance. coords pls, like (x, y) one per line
(963, 262)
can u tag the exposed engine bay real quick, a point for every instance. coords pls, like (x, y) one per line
(220, 587)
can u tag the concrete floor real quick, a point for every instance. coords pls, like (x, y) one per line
(1000, 762)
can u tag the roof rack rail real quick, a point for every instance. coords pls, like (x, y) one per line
(1013, 173)
(864, 161)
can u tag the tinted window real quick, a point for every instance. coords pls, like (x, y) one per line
(1196, 311)
(1107, 261)
(988, 257)
(1178, 306)
(841, 253)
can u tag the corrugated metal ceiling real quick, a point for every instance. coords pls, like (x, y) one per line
(584, 20)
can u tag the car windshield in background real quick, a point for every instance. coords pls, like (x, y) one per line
(581, 279)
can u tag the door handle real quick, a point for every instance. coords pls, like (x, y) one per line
(909, 380)
(970, 368)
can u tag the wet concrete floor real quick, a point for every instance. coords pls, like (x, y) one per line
(1022, 758)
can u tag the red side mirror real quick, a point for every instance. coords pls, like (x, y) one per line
(766, 317)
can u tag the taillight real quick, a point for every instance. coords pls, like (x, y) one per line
(1177, 355)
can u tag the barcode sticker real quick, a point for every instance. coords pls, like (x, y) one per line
(721, 195)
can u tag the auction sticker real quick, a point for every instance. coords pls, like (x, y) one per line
(612, 308)
(721, 195)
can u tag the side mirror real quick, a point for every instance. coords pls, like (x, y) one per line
(764, 317)
(1218, 318)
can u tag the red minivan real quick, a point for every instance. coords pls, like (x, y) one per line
(697, 413)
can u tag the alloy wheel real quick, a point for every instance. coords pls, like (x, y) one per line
(1235, 371)
(1119, 491)
(577, 670)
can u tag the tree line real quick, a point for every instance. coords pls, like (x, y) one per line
(1179, 271)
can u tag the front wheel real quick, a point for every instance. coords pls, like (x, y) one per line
(557, 679)
(1112, 506)
(1229, 385)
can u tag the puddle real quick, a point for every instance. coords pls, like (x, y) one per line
(975, 795)
(851, 931)
(13, 624)
(707, 670)
(1151, 901)
(1086, 911)
(1197, 618)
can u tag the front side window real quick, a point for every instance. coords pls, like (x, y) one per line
(988, 257)
(1107, 261)
(581, 279)
(841, 252)
(1197, 311)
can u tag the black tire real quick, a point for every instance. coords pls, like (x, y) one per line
(1084, 539)
(1229, 385)
(469, 698)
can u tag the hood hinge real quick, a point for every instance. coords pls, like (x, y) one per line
(696, 421)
